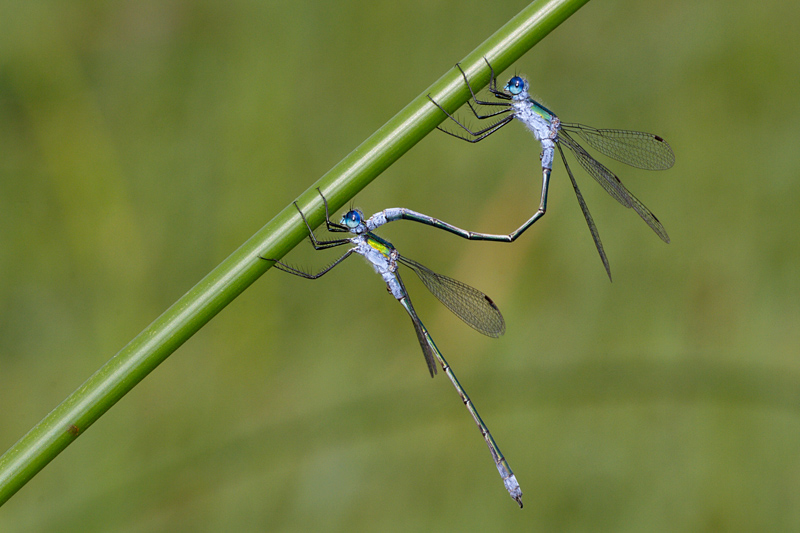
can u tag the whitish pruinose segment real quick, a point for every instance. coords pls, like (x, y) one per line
(513, 488)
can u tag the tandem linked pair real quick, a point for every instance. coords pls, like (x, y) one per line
(634, 148)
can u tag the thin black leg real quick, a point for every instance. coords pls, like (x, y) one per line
(297, 272)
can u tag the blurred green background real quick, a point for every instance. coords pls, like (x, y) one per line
(142, 142)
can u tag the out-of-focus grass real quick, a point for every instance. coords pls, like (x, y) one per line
(140, 143)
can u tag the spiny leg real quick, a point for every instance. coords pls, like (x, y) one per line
(485, 132)
(490, 115)
(480, 134)
(297, 272)
(492, 87)
(319, 244)
(332, 226)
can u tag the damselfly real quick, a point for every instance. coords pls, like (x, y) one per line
(634, 148)
(469, 304)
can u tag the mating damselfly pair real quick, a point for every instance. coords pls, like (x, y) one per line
(638, 149)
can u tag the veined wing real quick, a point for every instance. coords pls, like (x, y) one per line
(467, 303)
(607, 179)
(429, 349)
(611, 183)
(635, 148)
(586, 215)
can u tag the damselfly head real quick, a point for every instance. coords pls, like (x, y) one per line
(353, 219)
(516, 85)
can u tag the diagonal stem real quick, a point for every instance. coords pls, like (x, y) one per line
(193, 310)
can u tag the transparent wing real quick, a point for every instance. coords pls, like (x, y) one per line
(467, 303)
(611, 183)
(587, 215)
(635, 148)
(607, 179)
(425, 341)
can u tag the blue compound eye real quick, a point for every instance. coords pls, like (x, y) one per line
(515, 85)
(352, 219)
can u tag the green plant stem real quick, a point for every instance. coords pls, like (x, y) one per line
(148, 349)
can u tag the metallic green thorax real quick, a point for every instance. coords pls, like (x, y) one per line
(381, 245)
(541, 110)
